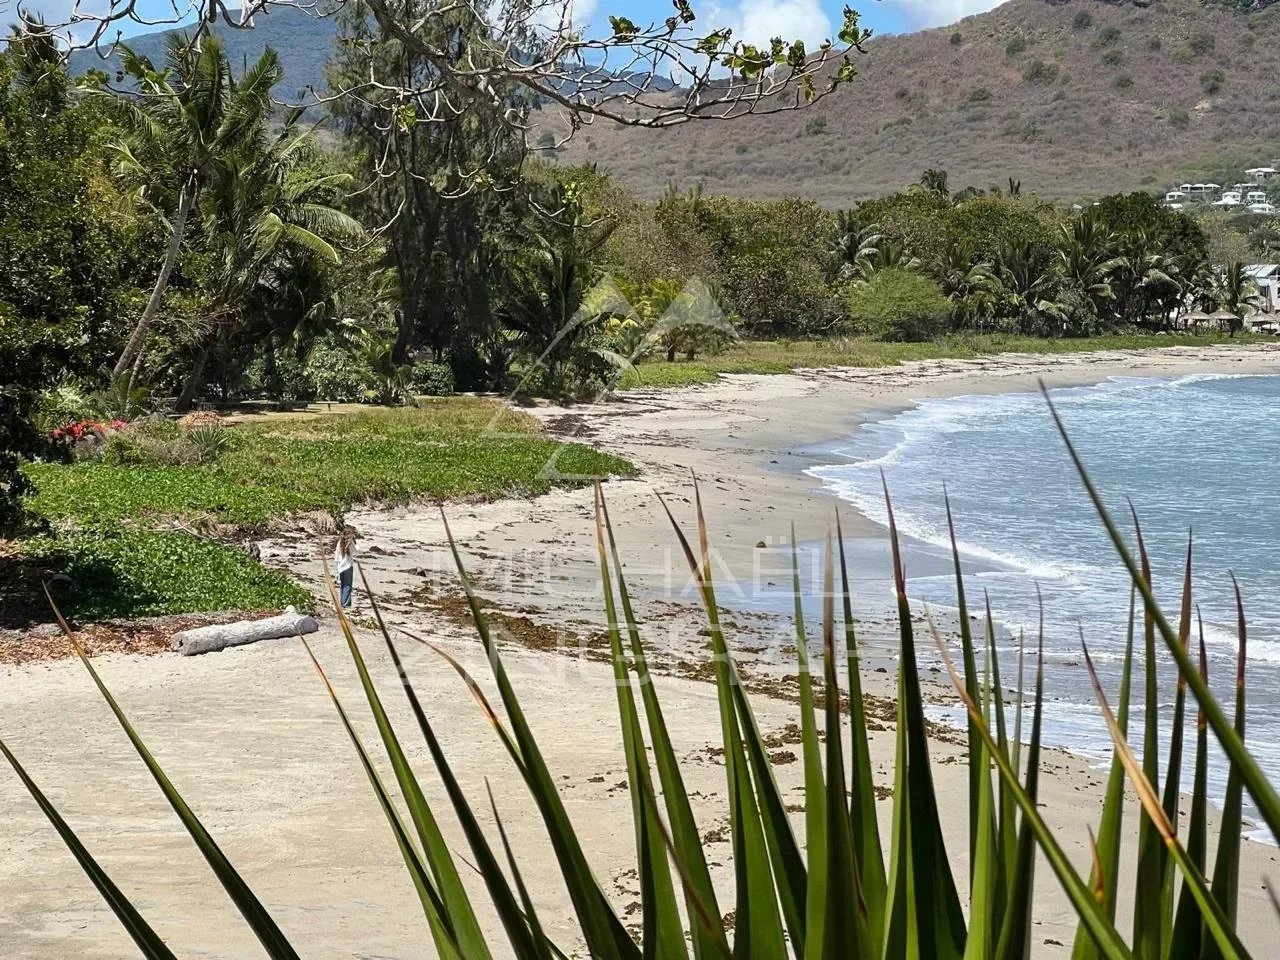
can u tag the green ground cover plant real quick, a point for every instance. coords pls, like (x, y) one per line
(131, 573)
(832, 889)
(454, 448)
(107, 514)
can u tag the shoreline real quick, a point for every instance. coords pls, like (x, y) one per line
(251, 739)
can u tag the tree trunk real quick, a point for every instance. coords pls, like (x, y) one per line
(134, 347)
(195, 380)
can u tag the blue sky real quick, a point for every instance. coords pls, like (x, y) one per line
(753, 20)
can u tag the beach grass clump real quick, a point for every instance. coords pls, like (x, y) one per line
(836, 886)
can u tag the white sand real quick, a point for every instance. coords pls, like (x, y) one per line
(253, 742)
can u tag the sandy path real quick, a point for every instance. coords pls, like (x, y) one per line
(251, 738)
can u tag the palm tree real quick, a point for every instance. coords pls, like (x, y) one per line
(935, 181)
(1236, 292)
(271, 227)
(968, 282)
(548, 289)
(1029, 287)
(1143, 277)
(182, 126)
(854, 251)
(1084, 261)
(896, 255)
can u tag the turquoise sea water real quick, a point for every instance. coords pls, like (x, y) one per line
(1199, 453)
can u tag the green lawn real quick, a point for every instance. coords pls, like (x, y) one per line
(121, 564)
(778, 356)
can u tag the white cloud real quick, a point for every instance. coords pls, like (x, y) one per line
(759, 21)
(937, 13)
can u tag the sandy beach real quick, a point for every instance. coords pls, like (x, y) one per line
(251, 739)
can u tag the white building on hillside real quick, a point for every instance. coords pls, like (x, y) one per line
(1267, 277)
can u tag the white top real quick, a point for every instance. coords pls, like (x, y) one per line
(342, 562)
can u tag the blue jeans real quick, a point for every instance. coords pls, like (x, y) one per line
(345, 580)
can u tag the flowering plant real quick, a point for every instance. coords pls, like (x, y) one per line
(82, 428)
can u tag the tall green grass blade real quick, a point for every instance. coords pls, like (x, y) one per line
(1148, 898)
(1110, 944)
(1226, 867)
(432, 906)
(1173, 772)
(523, 942)
(1188, 924)
(539, 944)
(1216, 923)
(464, 927)
(1006, 805)
(1106, 874)
(708, 935)
(255, 914)
(815, 790)
(1251, 774)
(843, 918)
(601, 929)
(758, 921)
(662, 930)
(977, 776)
(984, 869)
(146, 939)
(1015, 932)
(930, 908)
(862, 800)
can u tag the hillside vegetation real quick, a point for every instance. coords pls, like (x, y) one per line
(1074, 99)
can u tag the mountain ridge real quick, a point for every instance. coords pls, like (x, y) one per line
(1073, 98)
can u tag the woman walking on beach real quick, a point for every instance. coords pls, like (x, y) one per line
(344, 564)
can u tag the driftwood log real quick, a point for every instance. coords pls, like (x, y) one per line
(220, 636)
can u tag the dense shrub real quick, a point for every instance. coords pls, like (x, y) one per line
(1122, 82)
(899, 305)
(1037, 71)
(1107, 36)
(1015, 46)
(957, 38)
(1113, 58)
(978, 95)
(1201, 43)
(1082, 20)
(336, 374)
(1211, 81)
(432, 379)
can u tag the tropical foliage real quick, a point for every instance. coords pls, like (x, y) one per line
(834, 887)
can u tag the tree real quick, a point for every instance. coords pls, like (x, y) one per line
(1237, 293)
(546, 295)
(271, 228)
(443, 238)
(186, 123)
(66, 251)
(899, 305)
(968, 282)
(854, 249)
(542, 48)
(1085, 263)
(935, 181)
(1029, 288)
